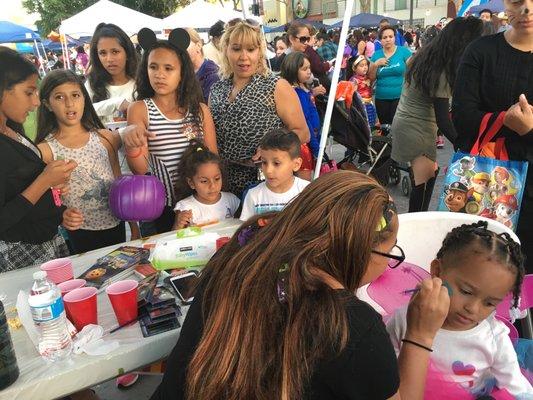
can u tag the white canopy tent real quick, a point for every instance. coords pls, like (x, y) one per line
(85, 22)
(200, 15)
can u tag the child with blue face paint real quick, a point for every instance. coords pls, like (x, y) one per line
(473, 348)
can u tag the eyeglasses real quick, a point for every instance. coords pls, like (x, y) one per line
(303, 39)
(396, 254)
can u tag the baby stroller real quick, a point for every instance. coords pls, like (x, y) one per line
(395, 175)
(349, 127)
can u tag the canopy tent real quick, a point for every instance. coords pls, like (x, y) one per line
(283, 28)
(467, 6)
(495, 6)
(201, 15)
(366, 20)
(85, 22)
(57, 46)
(13, 33)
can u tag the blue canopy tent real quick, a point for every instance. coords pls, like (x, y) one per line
(495, 6)
(13, 33)
(18, 34)
(56, 46)
(366, 20)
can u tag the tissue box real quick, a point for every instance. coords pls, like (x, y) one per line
(187, 252)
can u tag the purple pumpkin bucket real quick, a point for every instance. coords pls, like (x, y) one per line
(137, 198)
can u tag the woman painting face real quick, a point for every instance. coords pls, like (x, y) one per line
(300, 42)
(520, 13)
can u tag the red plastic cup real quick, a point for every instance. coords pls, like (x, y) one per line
(123, 297)
(80, 305)
(69, 286)
(58, 270)
(222, 241)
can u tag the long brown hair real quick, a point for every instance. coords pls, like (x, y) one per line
(256, 347)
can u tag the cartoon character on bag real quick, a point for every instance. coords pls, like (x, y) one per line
(499, 179)
(457, 196)
(479, 186)
(466, 170)
(505, 207)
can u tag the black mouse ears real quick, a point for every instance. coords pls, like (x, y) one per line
(178, 37)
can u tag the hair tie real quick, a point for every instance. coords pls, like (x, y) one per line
(281, 285)
(389, 211)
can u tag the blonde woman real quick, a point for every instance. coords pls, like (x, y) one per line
(206, 70)
(248, 102)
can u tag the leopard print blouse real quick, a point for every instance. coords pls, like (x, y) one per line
(242, 123)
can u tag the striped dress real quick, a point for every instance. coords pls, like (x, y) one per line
(172, 137)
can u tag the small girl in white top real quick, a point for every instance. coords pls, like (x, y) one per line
(473, 348)
(200, 187)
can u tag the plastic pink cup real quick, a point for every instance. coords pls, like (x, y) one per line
(70, 285)
(123, 297)
(80, 305)
(58, 270)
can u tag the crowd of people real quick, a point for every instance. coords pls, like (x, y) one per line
(275, 315)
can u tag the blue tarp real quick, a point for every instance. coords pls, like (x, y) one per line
(495, 6)
(13, 33)
(366, 20)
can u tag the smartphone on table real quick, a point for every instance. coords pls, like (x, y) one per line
(185, 285)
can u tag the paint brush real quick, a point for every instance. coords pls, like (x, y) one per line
(415, 290)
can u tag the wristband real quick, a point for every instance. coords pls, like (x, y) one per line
(134, 155)
(417, 345)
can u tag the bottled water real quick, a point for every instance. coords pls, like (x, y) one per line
(48, 314)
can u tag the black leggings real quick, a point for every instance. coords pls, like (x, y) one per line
(82, 240)
(386, 110)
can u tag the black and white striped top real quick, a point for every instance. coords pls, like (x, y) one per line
(172, 137)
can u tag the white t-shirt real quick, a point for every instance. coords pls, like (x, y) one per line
(209, 213)
(261, 199)
(472, 358)
(107, 109)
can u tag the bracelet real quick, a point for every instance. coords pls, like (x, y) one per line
(417, 345)
(134, 155)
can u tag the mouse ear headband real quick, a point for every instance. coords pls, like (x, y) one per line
(178, 38)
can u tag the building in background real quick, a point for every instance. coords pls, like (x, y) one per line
(425, 12)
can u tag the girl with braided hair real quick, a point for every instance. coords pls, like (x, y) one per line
(473, 348)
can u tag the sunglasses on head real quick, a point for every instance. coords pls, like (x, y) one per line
(248, 21)
(303, 39)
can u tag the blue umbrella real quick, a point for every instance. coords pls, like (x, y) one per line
(366, 20)
(495, 6)
(13, 33)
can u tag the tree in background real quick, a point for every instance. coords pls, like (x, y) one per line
(52, 12)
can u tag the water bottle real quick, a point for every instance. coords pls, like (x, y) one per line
(9, 370)
(48, 313)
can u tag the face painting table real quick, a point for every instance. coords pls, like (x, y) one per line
(40, 380)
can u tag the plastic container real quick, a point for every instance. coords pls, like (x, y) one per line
(9, 370)
(48, 313)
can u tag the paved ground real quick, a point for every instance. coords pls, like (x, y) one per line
(146, 385)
